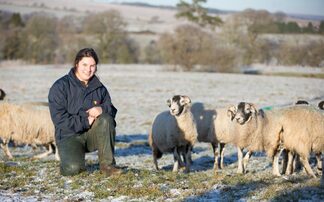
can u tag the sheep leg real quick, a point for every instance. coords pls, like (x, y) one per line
(155, 153)
(5, 148)
(319, 160)
(184, 162)
(240, 168)
(216, 165)
(275, 163)
(45, 154)
(285, 160)
(322, 178)
(188, 158)
(307, 167)
(176, 158)
(246, 159)
(221, 151)
(291, 159)
(296, 163)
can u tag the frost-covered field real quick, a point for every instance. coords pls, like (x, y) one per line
(140, 92)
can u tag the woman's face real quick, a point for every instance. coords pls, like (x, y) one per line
(85, 69)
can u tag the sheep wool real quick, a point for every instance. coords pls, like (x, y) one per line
(303, 132)
(25, 124)
(174, 131)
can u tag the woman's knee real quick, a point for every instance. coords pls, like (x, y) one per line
(106, 119)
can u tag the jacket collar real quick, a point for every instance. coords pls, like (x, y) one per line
(92, 84)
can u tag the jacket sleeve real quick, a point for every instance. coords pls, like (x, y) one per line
(106, 105)
(60, 116)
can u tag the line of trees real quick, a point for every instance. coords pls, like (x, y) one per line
(44, 39)
(203, 44)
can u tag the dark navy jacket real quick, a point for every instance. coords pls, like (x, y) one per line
(69, 100)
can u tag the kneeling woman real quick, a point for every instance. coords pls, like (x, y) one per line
(83, 116)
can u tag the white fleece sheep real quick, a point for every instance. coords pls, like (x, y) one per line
(174, 131)
(255, 130)
(299, 129)
(303, 132)
(213, 127)
(291, 160)
(25, 124)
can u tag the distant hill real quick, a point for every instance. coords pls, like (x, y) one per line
(147, 5)
(210, 10)
(307, 17)
(218, 11)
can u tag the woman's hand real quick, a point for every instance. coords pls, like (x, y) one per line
(91, 119)
(94, 112)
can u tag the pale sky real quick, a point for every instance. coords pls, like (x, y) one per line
(311, 7)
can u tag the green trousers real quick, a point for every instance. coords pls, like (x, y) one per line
(101, 137)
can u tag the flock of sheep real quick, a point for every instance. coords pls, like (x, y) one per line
(298, 130)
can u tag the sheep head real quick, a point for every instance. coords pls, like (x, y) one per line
(178, 104)
(243, 112)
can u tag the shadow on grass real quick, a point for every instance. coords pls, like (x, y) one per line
(130, 145)
(268, 188)
(308, 193)
(133, 149)
(131, 138)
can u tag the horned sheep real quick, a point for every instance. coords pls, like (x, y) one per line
(26, 125)
(282, 128)
(255, 130)
(174, 131)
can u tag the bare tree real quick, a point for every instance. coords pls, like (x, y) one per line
(39, 40)
(113, 44)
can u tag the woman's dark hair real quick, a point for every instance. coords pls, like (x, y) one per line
(86, 52)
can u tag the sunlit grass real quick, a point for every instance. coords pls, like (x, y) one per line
(33, 177)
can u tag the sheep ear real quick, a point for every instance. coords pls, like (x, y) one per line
(231, 111)
(185, 100)
(253, 108)
(168, 102)
(261, 113)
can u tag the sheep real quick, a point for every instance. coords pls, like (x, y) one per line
(26, 125)
(2, 94)
(321, 106)
(255, 130)
(174, 131)
(291, 160)
(303, 132)
(212, 127)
